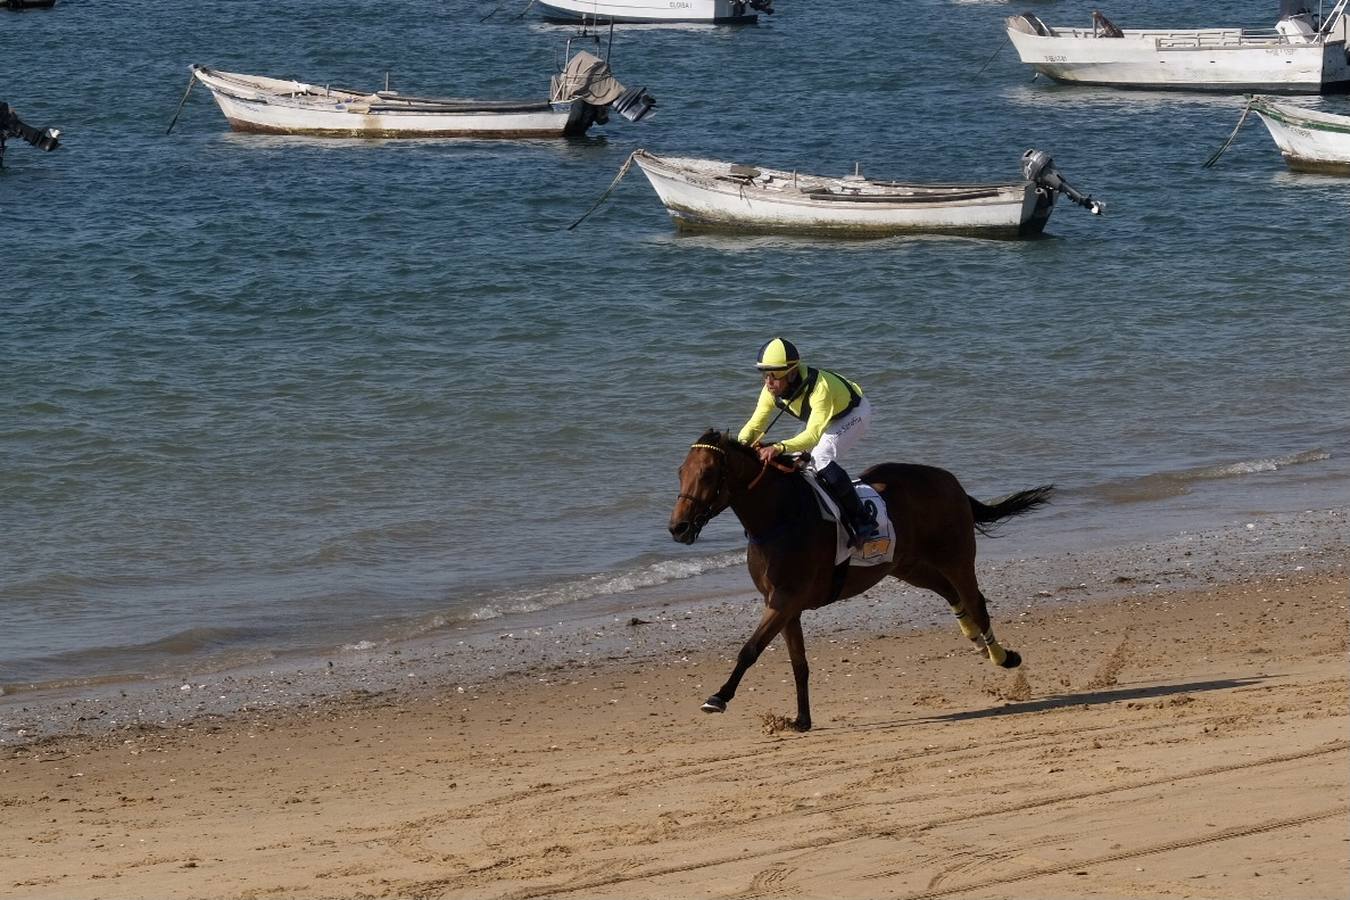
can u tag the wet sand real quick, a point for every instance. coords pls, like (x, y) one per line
(1181, 728)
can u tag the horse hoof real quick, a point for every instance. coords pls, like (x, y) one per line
(1012, 660)
(714, 704)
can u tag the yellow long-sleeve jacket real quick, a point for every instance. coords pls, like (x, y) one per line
(818, 397)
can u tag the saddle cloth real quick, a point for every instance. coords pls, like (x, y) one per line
(881, 549)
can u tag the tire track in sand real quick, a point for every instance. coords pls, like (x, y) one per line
(821, 841)
(1227, 834)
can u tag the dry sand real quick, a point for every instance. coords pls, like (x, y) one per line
(1167, 743)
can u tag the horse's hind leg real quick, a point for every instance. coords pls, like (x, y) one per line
(972, 612)
(969, 606)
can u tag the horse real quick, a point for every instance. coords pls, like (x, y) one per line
(792, 547)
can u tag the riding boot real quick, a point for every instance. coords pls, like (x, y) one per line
(858, 518)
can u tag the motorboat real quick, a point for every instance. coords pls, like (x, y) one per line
(1303, 53)
(712, 194)
(580, 96)
(715, 12)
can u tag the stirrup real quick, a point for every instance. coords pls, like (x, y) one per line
(861, 534)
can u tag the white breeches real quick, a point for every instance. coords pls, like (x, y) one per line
(841, 435)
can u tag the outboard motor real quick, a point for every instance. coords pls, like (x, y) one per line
(587, 83)
(764, 6)
(634, 103)
(1037, 166)
(12, 126)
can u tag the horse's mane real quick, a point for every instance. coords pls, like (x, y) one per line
(725, 440)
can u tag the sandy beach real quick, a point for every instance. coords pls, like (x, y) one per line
(1163, 739)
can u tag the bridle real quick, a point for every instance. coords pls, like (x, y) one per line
(704, 510)
(703, 518)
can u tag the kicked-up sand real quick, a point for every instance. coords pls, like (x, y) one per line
(1158, 742)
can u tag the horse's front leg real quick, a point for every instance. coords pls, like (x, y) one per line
(801, 672)
(769, 626)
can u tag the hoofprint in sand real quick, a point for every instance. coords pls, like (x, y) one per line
(1160, 741)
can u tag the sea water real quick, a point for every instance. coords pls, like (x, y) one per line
(261, 394)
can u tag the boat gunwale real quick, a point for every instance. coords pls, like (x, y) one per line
(1293, 116)
(1195, 38)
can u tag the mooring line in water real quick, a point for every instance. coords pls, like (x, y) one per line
(1232, 137)
(996, 53)
(192, 79)
(623, 170)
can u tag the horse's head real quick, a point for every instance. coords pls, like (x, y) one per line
(705, 485)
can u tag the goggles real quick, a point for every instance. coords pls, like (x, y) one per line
(775, 374)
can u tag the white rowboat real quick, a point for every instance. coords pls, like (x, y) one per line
(1310, 140)
(580, 96)
(1299, 55)
(704, 193)
(718, 12)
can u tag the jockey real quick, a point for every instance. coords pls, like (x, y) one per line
(836, 416)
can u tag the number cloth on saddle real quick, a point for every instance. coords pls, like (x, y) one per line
(881, 549)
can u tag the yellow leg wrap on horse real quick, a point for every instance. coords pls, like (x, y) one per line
(968, 628)
(995, 650)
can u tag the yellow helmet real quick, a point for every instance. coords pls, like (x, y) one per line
(777, 354)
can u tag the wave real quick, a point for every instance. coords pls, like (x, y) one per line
(591, 587)
(1161, 485)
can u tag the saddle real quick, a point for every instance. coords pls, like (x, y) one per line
(881, 549)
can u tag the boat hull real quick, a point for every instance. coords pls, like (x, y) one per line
(1203, 59)
(1309, 140)
(720, 12)
(713, 200)
(347, 115)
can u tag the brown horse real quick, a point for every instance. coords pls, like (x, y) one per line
(791, 553)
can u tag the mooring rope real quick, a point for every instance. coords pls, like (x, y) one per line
(623, 170)
(1232, 137)
(991, 58)
(192, 79)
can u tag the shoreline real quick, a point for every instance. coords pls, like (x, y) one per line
(200, 645)
(603, 632)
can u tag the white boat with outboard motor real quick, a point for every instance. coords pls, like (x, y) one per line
(1304, 53)
(716, 12)
(580, 95)
(710, 194)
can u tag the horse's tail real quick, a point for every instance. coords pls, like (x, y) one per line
(987, 516)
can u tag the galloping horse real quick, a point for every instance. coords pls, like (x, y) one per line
(791, 553)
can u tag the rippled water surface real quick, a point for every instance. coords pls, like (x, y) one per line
(260, 393)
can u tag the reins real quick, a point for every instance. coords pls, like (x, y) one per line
(782, 467)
